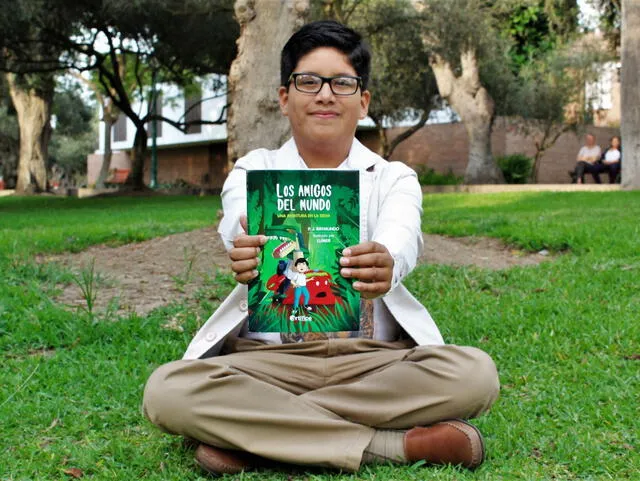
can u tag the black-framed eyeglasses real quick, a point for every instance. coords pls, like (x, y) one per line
(310, 83)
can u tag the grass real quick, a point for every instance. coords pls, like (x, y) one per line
(87, 281)
(53, 224)
(564, 336)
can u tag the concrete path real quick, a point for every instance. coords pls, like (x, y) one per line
(496, 188)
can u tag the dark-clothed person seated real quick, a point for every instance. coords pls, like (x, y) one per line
(612, 159)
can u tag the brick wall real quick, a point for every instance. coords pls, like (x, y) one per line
(204, 165)
(119, 160)
(444, 148)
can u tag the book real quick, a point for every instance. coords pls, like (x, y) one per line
(309, 217)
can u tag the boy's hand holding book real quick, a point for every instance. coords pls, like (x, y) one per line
(372, 265)
(244, 255)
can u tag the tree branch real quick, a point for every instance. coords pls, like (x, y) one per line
(444, 75)
(349, 12)
(184, 126)
(470, 71)
(408, 133)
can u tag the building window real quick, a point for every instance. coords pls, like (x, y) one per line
(193, 111)
(158, 112)
(120, 129)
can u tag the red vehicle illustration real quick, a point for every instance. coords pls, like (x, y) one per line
(319, 284)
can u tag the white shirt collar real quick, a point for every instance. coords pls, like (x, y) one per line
(359, 158)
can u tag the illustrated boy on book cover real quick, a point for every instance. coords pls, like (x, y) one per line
(308, 217)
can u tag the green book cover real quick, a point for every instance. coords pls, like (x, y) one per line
(309, 218)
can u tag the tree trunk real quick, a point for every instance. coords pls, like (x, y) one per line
(136, 180)
(471, 101)
(630, 80)
(551, 132)
(541, 147)
(382, 138)
(32, 97)
(106, 158)
(254, 119)
(481, 167)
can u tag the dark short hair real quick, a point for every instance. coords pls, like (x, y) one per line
(300, 261)
(326, 33)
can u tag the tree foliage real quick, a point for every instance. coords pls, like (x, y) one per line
(9, 137)
(535, 28)
(610, 20)
(506, 35)
(402, 84)
(73, 114)
(172, 32)
(24, 42)
(462, 39)
(490, 58)
(74, 134)
(176, 39)
(456, 26)
(549, 95)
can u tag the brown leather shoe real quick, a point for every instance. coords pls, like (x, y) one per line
(225, 461)
(447, 442)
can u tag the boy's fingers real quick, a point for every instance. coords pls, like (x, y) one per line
(242, 266)
(370, 290)
(368, 274)
(366, 260)
(249, 241)
(364, 248)
(245, 277)
(243, 253)
(243, 222)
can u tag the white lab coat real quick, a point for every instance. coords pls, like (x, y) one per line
(390, 212)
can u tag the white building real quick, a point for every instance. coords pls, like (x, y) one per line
(196, 155)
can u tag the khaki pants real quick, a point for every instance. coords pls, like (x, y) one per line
(317, 403)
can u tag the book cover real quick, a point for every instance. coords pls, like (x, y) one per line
(309, 218)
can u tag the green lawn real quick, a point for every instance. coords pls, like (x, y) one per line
(565, 336)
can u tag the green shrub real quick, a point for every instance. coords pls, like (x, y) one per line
(516, 168)
(428, 176)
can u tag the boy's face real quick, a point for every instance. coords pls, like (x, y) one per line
(323, 117)
(302, 267)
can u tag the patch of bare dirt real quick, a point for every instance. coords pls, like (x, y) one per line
(146, 275)
(483, 252)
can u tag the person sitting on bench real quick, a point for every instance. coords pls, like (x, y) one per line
(611, 159)
(588, 158)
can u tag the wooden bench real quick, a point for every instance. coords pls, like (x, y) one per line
(118, 176)
(574, 177)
